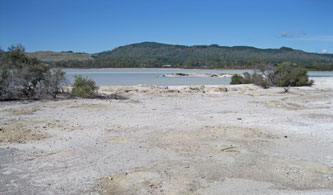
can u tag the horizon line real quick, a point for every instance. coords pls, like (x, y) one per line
(173, 44)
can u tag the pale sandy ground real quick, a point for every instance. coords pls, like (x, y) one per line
(176, 140)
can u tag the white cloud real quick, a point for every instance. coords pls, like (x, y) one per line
(287, 35)
(290, 35)
(324, 51)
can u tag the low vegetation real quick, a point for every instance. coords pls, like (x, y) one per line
(84, 87)
(237, 79)
(21, 131)
(22, 77)
(282, 76)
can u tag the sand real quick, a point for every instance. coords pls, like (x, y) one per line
(171, 140)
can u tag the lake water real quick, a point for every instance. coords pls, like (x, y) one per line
(136, 76)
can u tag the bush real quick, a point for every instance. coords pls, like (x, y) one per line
(84, 87)
(291, 76)
(260, 80)
(247, 78)
(22, 77)
(283, 76)
(236, 79)
(5, 88)
(53, 82)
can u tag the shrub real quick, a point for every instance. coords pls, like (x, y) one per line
(236, 79)
(260, 80)
(283, 76)
(247, 78)
(84, 87)
(22, 77)
(291, 76)
(5, 77)
(53, 82)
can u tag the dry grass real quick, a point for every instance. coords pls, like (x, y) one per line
(21, 111)
(118, 140)
(15, 131)
(320, 116)
(150, 181)
(59, 56)
(91, 106)
(284, 105)
(209, 139)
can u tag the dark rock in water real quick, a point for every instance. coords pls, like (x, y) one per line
(181, 74)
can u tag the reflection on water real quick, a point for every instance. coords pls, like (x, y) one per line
(154, 76)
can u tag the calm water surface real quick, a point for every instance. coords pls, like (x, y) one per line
(154, 76)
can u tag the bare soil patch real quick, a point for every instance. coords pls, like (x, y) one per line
(18, 131)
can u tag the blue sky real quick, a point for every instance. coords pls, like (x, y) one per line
(96, 25)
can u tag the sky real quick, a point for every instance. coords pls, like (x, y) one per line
(99, 25)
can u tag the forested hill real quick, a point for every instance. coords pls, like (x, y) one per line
(153, 50)
(151, 54)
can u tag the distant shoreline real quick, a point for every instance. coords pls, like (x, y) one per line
(168, 68)
(182, 69)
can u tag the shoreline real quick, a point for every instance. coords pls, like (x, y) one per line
(161, 69)
(185, 69)
(326, 80)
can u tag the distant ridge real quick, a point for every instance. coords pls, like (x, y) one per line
(51, 56)
(152, 54)
(149, 49)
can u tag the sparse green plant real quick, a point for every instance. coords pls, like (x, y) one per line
(84, 87)
(247, 78)
(236, 79)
